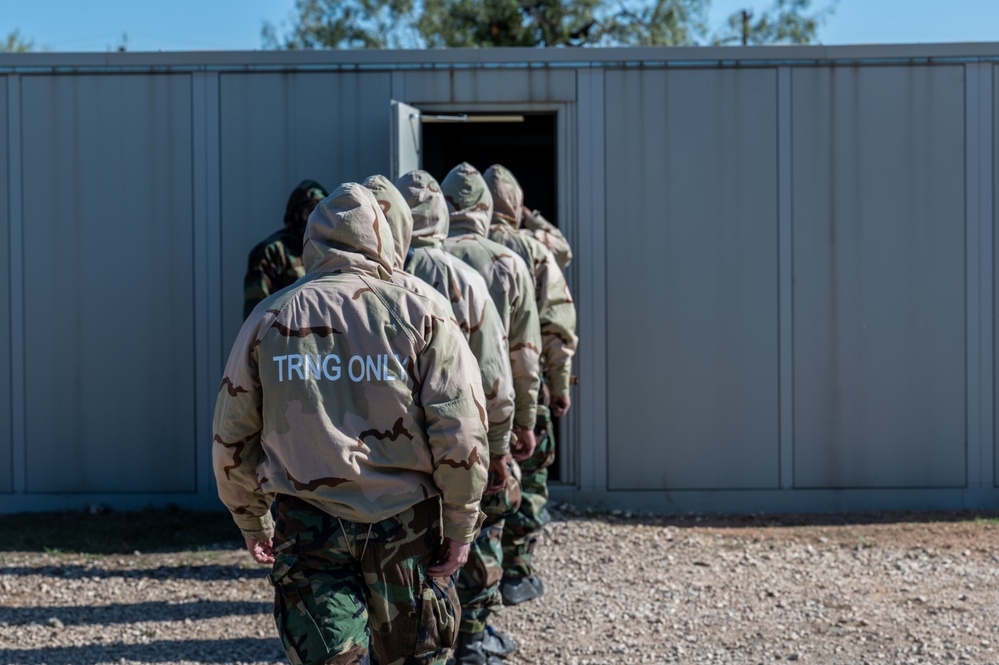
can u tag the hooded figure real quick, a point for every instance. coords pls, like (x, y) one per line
(557, 314)
(355, 405)
(507, 276)
(276, 261)
(400, 222)
(556, 310)
(425, 225)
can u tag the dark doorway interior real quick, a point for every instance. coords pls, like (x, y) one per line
(527, 148)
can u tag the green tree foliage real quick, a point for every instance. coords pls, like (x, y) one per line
(786, 22)
(469, 23)
(535, 23)
(660, 23)
(15, 43)
(338, 24)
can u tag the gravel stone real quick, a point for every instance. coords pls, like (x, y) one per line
(620, 588)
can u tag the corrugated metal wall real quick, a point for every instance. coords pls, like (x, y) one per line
(691, 279)
(879, 277)
(784, 260)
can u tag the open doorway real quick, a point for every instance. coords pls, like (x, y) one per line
(528, 148)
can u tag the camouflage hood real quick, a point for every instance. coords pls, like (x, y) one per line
(430, 212)
(301, 202)
(508, 196)
(468, 200)
(397, 213)
(347, 232)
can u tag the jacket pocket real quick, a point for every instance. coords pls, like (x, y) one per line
(303, 640)
(438, 614)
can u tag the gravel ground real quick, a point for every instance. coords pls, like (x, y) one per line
(620, 588)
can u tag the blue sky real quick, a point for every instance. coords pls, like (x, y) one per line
(172, 25)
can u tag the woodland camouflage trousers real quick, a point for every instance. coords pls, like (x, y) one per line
(479, 579)
(352, 593)
(520, 532)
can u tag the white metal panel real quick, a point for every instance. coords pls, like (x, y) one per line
(879, 270)
(207, 265)
(7, 278)
(277, 130)
(786, 286)
(590, 264)
(691, 163)
(108, 227)
(980, 274)
(407, 139)
(995, 276)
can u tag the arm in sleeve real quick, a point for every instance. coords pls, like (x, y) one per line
(487, 341)
(549, 234)
(557, 314)
(455, 413)
(261, 276)
(525, 347)
(236, 449)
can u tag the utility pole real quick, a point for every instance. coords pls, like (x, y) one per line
(746, 15)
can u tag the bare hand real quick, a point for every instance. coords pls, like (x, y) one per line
(560, 405)
(498, 473)
(260, 550)
(451, 557)
(524, 446)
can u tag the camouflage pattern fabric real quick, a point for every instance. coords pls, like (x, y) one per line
(469, 296)
(550, 236)
(401, 224)
(350, 392)
(276, 261)
(479, 579)
(345, 591)
(558, 330)
(520, 531)
(507, 276)
(556, 310)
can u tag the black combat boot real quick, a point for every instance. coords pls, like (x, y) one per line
(517, 590)
(468, 650)
(497, 643)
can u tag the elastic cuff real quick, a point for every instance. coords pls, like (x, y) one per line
(257, 528)
(463, 533)
(558, 381)
(526, 418)
(499, 442)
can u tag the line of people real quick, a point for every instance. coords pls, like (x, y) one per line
(407, 502)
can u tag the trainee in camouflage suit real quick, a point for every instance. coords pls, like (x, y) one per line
(474, 314)
(479, 577)
(557, 314)
(356, 406)
(468, 294)
(509, 281)
(276, 261)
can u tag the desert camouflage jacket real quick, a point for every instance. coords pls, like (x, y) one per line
(507, 276)
(349, 392)
(556, 310)
(549, 235)
(461, 289)
(469, 295)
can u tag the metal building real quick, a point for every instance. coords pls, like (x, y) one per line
(785, 258)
